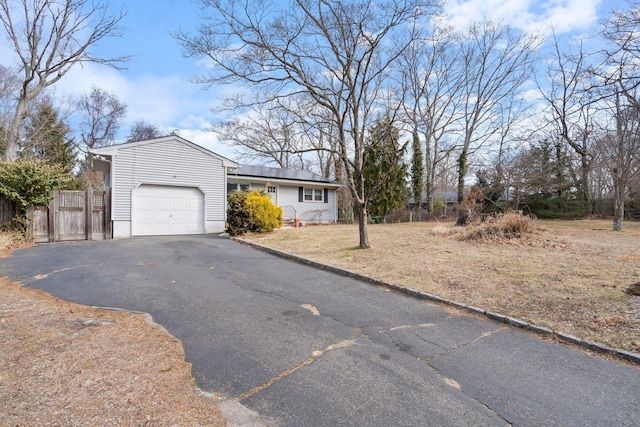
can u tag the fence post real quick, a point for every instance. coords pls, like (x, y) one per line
(88, 207)
(107, 214)
(53, 215)
(32, 227)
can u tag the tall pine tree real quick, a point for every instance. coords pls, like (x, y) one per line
(417, 171)
(384, 171)
(46, 138)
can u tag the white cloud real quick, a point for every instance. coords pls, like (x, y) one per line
(209, 140)
(156, 99)
(192, 121)
(570, 15)
(168, 101)
(528, 15)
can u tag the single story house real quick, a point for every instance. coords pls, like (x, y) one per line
(164, 186)
(170, 185)
(304, 195)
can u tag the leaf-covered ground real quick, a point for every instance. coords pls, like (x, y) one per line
(66, 364)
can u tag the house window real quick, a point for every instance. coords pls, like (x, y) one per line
(313, 195)
(233, 186)
(308, 194)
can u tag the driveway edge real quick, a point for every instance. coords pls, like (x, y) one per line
(539, 330)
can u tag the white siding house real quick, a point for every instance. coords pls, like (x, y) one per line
(164, 186)
(304, 195)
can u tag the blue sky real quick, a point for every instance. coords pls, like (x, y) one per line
(156, 88)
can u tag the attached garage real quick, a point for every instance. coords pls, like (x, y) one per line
(164, 186)
(165, 210)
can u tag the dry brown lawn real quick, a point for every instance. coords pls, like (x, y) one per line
(67, 364)
(569, 276)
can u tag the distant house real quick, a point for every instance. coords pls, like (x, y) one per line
(447, 199)
(301, 194)
(164, 186)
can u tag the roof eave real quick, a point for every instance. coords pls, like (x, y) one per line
(285, 181)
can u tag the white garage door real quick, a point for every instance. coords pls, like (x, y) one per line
(164, 210)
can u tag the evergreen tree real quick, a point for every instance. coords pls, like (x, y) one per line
(384, 171)
(417, 171)
(546, 185)
(46, 138)
(3, 140)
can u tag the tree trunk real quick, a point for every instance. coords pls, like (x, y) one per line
(618, 208)
(464, 217)
(429, 199)
(462, 172)
(362, 226)
(13, 136)
(429, 174)
(584, 178)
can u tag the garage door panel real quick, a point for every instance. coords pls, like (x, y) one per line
(146, 215)
(193, 204)
(161, 201)
(144, 201)
(164, 210)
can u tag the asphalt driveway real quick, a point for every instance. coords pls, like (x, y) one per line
(306, 347)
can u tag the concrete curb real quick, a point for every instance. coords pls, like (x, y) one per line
(539, 330)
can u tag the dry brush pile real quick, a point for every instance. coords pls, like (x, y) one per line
(496, 228)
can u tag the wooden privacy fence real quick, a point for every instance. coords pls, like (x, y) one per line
(7, 211)
(72, 215)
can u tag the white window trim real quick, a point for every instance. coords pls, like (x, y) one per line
(315, 192)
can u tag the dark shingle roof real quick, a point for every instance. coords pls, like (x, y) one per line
(278, 173)
(445, 196)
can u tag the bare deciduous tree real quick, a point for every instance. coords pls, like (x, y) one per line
(431, 84)
(620, 149)
(142, 131)
(48, 38)
(570, 99)
(497, 62)
(102, 112)
(9, 85)
(269, 133)
(335, 52)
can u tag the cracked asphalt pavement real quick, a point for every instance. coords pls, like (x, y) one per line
(305, 347)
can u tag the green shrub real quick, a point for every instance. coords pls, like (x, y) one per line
(237, 213)
(28, 183)
(252, 211)
(555, 207)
